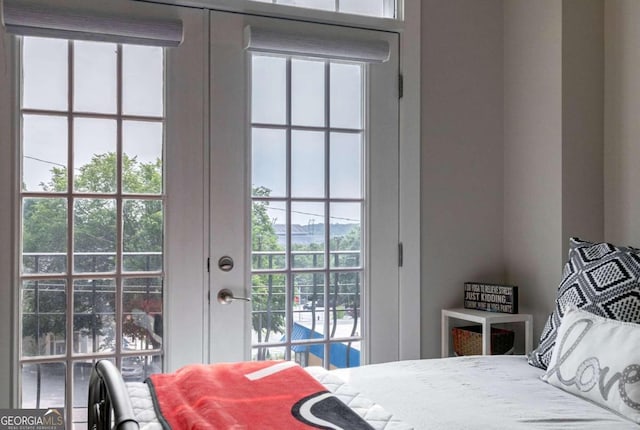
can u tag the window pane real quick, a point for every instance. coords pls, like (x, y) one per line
(269, 162)
(94, 155)
(44, 330)
(307, 93)
(313, 4)
(268, 235)
(307, 164)
(344, 302)
(94, 324)
(344, 354)
(81, 376)
(45, 68)
(309, 323)
(363, 7)
(269, 90)
(307, 234)
(44, 235)
(44, 147)
(137, 368)
(346, 96)
(143, 235)
(346, 165)
(142, 80)
(142, 324)
(268, 294)
(95, 77)
(43, 385)
(142, 158)
(345, 234)
(94, 223)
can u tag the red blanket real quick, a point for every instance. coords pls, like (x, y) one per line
(248, 395)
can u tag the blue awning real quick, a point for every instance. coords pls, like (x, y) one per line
(338, 352)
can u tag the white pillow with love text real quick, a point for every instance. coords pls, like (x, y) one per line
(598, 359)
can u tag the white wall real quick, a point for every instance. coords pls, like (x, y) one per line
(462, 170)
(553, 113)
(512, 132)
(582, 121)
(533, 151)
(622, 124)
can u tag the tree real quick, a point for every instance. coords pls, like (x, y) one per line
(44, 243)
(268, 291)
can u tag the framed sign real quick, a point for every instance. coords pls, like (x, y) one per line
(491, 297)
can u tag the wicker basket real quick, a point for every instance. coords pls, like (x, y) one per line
(468, 340)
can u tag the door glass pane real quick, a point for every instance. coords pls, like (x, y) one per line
(346, 235)
(344, 302)
(268, 296)
(269, 90)
(346, 96)
(44, 157)
(314, 4)
(307, 92)
(142, 324)
(43, 385)
(142, 158)
(363, 7)
(307, 164)
(268, 162)
(94, 155)
(143, 238)
(309, 322)
(44, 316)
(307, 235)
(346, 165)
(94, 322)
(94, 235)
(45, 67)
(268, 235)
(44, 235)
(95, 77)
(142, 80)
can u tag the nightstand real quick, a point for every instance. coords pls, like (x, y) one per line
(485, 319)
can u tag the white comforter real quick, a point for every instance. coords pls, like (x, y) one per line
(464, 393)
(481, 392)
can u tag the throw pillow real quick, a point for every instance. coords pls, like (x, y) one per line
(598, 359)
(600, 278)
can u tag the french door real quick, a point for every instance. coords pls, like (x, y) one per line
(303, 192)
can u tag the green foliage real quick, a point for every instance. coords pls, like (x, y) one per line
(45, 225)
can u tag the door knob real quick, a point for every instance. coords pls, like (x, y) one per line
(225, 296)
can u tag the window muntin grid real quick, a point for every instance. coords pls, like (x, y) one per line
(307, 209)
(91, 277)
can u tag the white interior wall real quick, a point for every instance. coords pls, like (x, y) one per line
(533, 151)
(582, 121)
(462, 174)
(622, 127)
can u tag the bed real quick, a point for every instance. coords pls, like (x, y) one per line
(475, 392)
(584, 374)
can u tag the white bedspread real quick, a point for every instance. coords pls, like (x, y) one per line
(481, 392)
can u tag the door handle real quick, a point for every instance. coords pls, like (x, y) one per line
(225, 297)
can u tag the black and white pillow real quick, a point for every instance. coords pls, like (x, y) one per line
(600, 278)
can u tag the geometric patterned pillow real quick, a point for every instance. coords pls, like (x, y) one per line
(599, 278)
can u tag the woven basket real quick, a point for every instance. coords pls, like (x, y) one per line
(468, 340)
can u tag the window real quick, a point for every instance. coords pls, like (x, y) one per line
(376, 8)
(92, 198)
